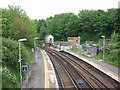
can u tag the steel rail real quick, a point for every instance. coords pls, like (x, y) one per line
(91, 86)
(62, 85)
(71, 78)
(75, 70)
(100, 83)
(96, 81)
(79, 75)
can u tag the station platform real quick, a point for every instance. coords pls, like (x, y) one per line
(42, 74)
(110, 70)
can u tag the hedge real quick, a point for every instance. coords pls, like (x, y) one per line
(10, 56)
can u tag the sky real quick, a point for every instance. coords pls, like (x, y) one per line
(42, 9)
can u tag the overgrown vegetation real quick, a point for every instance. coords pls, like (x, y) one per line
(76, 50)
(112, 51)
(15, 25)
(10, 64)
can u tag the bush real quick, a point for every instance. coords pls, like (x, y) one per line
(90, 43)
(10, 56)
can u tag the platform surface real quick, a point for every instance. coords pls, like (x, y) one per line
(110, 70)
(43, 74)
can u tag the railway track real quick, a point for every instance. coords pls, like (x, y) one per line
(108, 81)
(74, 76)
(78, 76)
(65, 80)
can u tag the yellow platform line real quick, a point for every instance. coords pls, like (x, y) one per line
(46, 73)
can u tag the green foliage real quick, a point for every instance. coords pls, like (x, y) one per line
(90, 25)
(10, 51)
(114, 48)
(42, 41)
(62, 25)
(98, 45)
(43, 32)
(9, 78)
(19, 30)
(10, 56)
(109, 59)
(5, 31)
(16, 24)
(8, 16)
(40, 23)
(115, 37)
(76, 50)
(90, 43)
(112, 51)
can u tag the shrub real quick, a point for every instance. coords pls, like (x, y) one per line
(90, 43)
(10, 56)
(10, 51)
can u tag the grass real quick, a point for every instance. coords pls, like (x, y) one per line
(76, 50)
(108, 59)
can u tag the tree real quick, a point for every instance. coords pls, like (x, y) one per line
(40, 23)
(43, 32)
(62, 25)
(19, 30)
(8, 16)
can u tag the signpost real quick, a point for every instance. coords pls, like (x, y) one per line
(25, 68)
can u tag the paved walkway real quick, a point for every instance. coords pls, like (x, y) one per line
(43, 74)
(106, 65)
(37, 77)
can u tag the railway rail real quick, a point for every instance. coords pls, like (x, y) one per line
(103, 77)
(71, 74)
(65, 80)
(79, 77)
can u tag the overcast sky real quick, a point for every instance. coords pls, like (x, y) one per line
(42, 9)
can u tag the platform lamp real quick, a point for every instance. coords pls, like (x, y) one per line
(20, 40)
(79, 37)
(79, 43)
(103, 46)
(35, 43)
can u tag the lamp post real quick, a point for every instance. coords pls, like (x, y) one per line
(79, 37)
(35, 43)
(79, 46)
(103, 47)
(20, 40)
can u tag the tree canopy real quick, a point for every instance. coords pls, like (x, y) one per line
(16, 25)
(88, 24)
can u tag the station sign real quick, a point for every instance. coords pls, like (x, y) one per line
(25, 68)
